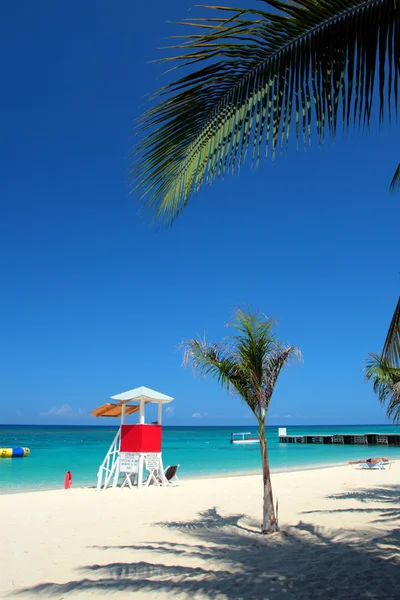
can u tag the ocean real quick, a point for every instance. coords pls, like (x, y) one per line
(200, 452)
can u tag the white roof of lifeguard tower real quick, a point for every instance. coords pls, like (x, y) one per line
(142, 393)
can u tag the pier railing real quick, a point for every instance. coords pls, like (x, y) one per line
(108, 468)
(370, 439)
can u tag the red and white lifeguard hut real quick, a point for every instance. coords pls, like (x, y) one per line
(135, 454)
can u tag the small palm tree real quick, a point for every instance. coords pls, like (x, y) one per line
(251, 76)
(248, 364)
(384, 369)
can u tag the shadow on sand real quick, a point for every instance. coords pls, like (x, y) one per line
(388, 498)
(217, 556)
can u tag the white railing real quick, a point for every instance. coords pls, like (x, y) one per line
(109, 466)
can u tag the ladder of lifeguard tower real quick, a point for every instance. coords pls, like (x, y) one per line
(109, 466)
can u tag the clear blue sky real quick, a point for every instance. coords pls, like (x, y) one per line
(94, 302)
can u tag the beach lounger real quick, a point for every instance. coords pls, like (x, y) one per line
(378, 466)
(171, 476)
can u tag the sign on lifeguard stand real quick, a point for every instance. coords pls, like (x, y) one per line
(135, 454)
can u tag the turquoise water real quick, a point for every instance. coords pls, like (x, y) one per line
(200, 451)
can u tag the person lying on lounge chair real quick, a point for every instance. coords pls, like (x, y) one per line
(369, 461)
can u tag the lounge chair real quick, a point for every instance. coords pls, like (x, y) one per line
(381, 465)
(171, 476)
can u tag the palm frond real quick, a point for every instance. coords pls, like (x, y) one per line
(391, 348)
(250, 75)
(395, 184)
(253, 342)
(274, 363)
(216, 360)
(386, 384)
(207, 359)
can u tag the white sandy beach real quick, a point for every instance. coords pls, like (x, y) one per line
(340, 539)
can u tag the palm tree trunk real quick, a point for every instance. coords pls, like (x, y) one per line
(269, 524)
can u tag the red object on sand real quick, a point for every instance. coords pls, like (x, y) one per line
(68, 480)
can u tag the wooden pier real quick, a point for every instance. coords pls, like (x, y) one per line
(366, 439)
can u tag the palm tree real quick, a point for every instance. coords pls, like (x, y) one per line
(250, 75)
(384, 369)
(247, 364)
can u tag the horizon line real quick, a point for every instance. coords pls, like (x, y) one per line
(200, 425)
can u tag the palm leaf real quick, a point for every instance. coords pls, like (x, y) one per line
(253, 342)
(274, 363)
(386, 384)
(395, 184)
(391, 348)
(252, 74)
(216, 359)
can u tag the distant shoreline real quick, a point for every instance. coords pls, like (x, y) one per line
(202, 477)
(249, 426)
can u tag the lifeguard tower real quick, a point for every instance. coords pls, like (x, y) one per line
(135, 448)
